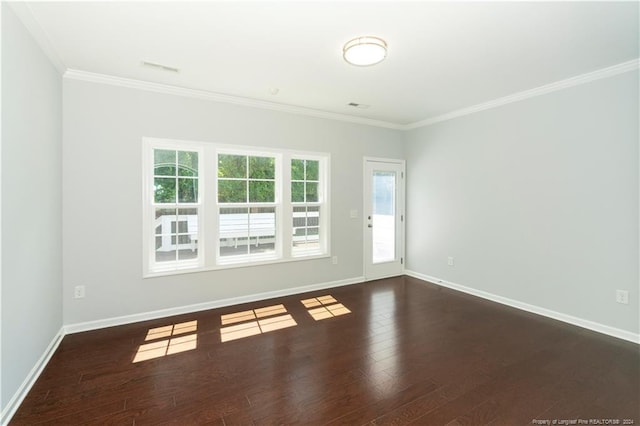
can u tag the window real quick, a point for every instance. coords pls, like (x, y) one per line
(305, 200)
(210, 206)
(247, 208)
(175, 208)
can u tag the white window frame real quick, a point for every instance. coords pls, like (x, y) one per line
(209, 209)
(276, 204)
(149, 206)
(323, 173)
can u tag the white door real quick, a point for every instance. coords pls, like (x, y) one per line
(384, 217)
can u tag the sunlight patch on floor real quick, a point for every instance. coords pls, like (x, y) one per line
(324, 307)
(318, 301)
(171, 330)
(170, 346)
(252, 314)
(248, 323)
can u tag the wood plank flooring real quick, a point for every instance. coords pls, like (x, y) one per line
(408, 352)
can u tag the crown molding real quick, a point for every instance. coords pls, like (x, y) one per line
(526, 94)
(255, 103)
(25, 14)
(219, 97)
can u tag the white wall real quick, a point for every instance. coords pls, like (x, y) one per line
(103, 128)
(536, 200)
(31, 204)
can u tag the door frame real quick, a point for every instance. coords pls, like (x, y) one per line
(401, 207)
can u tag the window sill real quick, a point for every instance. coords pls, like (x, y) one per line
(154, 274)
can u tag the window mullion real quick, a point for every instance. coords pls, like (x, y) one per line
(246, 182)
(209, 214)
(324, 198)
(287, 209)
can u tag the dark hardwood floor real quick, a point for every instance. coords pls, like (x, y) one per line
(408, 352)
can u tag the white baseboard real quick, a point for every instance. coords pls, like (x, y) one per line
(145, 316)
(580, 322)
(15, 401)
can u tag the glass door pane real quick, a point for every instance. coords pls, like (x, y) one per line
(383, 227)
(384, 216)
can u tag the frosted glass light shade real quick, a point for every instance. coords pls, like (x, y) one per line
(364, 51)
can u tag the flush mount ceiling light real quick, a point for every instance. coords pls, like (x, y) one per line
(364, 51)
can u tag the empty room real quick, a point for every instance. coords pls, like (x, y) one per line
(320, 212)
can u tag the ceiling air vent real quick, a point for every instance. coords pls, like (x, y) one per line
(159, 66)
(357, 105)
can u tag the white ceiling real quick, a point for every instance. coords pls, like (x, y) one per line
(443, 56)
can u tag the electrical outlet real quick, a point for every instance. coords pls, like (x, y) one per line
(334, 260)
(450, 261)
(353, 214)
(622, 296)
(78, 292)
